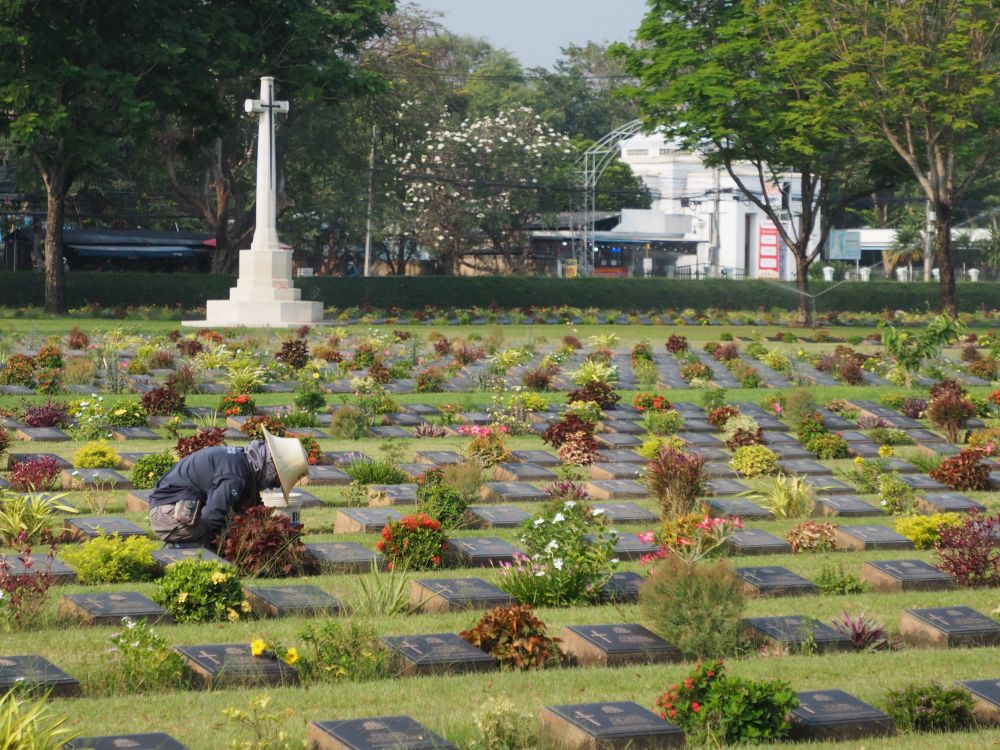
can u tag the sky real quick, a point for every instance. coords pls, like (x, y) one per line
(536, 30)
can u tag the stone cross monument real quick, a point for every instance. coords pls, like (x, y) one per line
(264, 295)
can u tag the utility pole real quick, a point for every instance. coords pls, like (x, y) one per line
(928, 240)
(713, 230)
(371, 204)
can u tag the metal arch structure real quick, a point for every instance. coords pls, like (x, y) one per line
(590, 167)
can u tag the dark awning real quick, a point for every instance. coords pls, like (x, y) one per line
(134, 252)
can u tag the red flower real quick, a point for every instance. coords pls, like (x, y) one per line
(672, 713)
(696, 707)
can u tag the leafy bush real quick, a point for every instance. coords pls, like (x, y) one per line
(49, 414)
(349, 423)
(968, 552)
(890, 436)
(415, 542)
(789, 497)
(713, 707)
(931, 708)
(662, 422)
(438, 500)
(4, 441)
(30, 723)
(201, 591)
(798, 406)
(811, 536)
(925, 531)
(949, 408)
(96, 455)
(488, 444)
(896, 496)
(964, 472)
(127, 414)
(754, 461)
(676, 479)
(336, 650)
(718, 416)
(603, 394)
(163, 401)
(35, 474)
(310, 400)
(741, 430)
(864, 632)
(676, 344)
(148, 470)
(254, 426)
(373, 472)
(515, 637)
(294, 353)
(501, 726)
(237, 405)
(28, 519)
(829, 446)
(24, 593)
(651, 402)
(260, 542)
(465, 477)
(204, 438)
(833, 580)
(113, 559)
(696, 607)
(142, 662)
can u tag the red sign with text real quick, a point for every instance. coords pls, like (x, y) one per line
(768, 249)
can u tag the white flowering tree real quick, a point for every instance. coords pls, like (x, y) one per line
(479, 184)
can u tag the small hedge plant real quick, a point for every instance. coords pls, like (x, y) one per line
(148, 470)
(113, 559)
(515, 637)
(201, 591)
(925, 531)
(96, 455)
(930, 708)
(416, 542)
(754, 461)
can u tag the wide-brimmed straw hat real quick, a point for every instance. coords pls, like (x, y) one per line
(289, 459)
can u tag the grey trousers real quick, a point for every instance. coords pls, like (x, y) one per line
(169, 529)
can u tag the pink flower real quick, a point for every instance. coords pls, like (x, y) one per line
(777, 407)
(647, 537)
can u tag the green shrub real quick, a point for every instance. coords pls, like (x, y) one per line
(501, 726)
(829, 446)
(930, 708)
(651, 447)
(113, 559)
(696, 607)
(415, 542)
(341, 650)
(662, 422)
(374, 472)
(789, 497)
(349, 423)
(313, 401)
(31, 518)
(833, 580)
(896, 496)
(148, 470)
(142, 662)
(127, 414)
(96, 455)
(201, 591)
(31, 724)
(925, 531)
(438, 500)
(754, 461)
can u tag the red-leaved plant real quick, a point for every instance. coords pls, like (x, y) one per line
(676, 479)
(35, 474)
(204, 438)
(968, 552)
(163, 401)
(259, 542)
(515, 637)
(24, 592)
(864, 632)
(964, 471)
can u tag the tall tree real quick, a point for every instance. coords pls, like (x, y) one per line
(75, 77)
(724, 79)
(924, 77)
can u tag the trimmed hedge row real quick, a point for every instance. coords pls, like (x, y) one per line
(415, 292)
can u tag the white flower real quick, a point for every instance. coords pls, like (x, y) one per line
(552, 545)
(569, 504)
(597, 511)
(557, 563)
(614, 560)
(539, 574)
(539, 521)
(558, 517)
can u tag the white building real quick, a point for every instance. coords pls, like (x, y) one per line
(734, 237)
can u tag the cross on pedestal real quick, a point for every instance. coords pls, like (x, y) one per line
(265, 236)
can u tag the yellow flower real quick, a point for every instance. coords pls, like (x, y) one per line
(182, 597)
(232, 615)
(257, 646)
(886, 451)
(119, 412)
(219, 577)
(858, 460)
(291, 656)
(245, 606)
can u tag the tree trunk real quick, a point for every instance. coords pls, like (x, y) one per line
(804, 315)
(55, 282)
(942, 255)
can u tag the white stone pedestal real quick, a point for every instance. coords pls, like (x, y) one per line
(263, 296)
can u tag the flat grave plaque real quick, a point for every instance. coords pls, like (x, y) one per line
(295, 601)
(41, 434)
(411, 471)
(699, 439)
(949, 502)
(844, 506)
(345, 457)
(134, 433)
(923, 482)
(452, 594)
(725, 487)
(615, 645)
(482, 551)
(16, 458)
(129, 459)
(625, 513)
(376, 733)
(363, 520)
(495, 517)
(326, 476)
(948, 627)
(109, 609)
(796, 632)
(438, 458)
(39, 563)
(757, 542)
(511, 492)
(438, 653)
(609, 726)
(389, 431)
(539, 458)
(985, 699)
(828, 485)
(380, 495)
(305, 499)
(804, 468)
(344, 557)
(711, 454)
(513, 472)
(150, 741)
(221, 665)
(622, 588)
(790, 452)
(475, 417)
(775, 581)
(36, 674)
(628, 546)
(743, 509)
(620, 427)
(613, 489)
(423, 410)
(623, 456)
(775, 438)
(905, 575)
(836, 715)
(400, 419)
(616, 440)
(616, 471)
(82, 528)
(103, 479)
(169, 555)
(869, 537)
